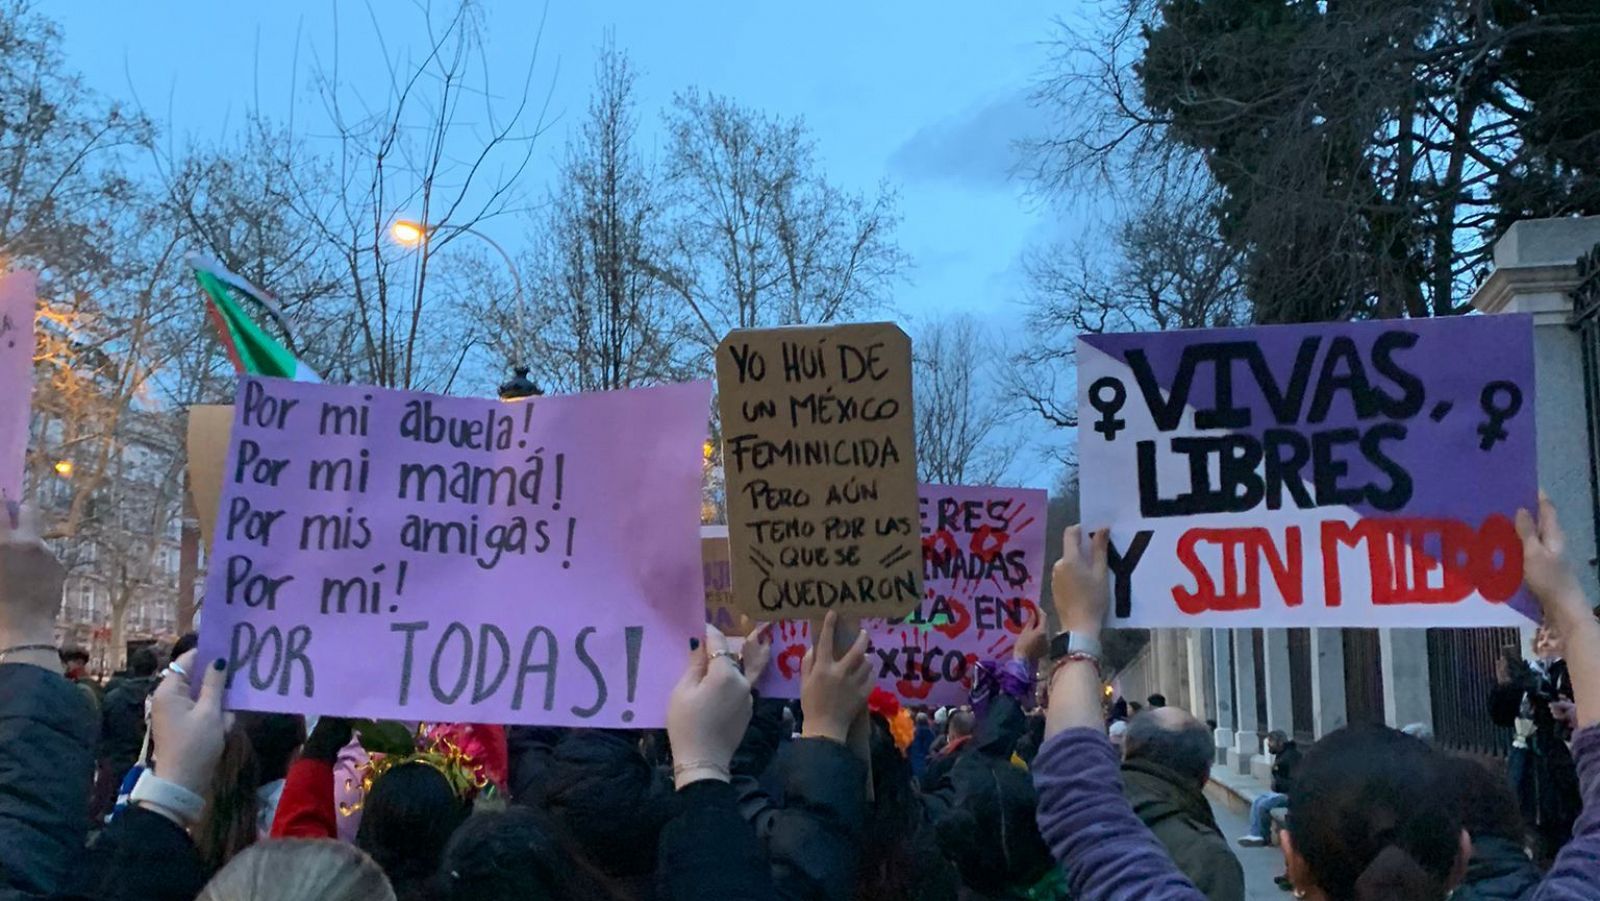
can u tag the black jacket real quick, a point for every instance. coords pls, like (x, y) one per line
(142, 856)
(47, 734)
(122, 722)
(1498, 871)
(708, 852)
(813, 838)
(1284, 766)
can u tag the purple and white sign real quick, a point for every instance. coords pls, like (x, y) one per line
(1341, 474)
(407, 556)
(16, 378)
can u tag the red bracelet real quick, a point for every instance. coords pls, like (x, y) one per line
(1075, 657)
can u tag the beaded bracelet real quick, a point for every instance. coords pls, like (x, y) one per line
(1074, 657)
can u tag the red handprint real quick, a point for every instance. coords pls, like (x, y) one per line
(792, 636)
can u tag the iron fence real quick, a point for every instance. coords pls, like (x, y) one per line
(1460, 677)
(1363, 676)
(1586, 322)
(1300, 701)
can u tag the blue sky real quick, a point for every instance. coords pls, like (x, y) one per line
(927, 95)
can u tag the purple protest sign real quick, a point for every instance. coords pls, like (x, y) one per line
(407, 556)
(982, 552)
(1342, 474)
(16, 378)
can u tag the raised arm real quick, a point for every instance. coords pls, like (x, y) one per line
(1083, 816)
(1552, 582)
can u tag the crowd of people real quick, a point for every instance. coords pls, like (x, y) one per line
(1020, 795)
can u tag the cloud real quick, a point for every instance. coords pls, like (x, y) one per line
(974, 148)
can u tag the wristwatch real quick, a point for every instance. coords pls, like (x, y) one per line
(1070, 643)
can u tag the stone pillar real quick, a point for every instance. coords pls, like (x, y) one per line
(1222, 679)
(1327, 681)
(1406, 697)
(1536, 272)
(1246, 743)
(1200, 702)
(1280, 702)
(1171, 668)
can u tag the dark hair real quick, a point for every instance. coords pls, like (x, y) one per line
(1184, 747)
(406, 820)
(1374, 816)
(274, 737)
(900, 855)
(510, 856)
(608, 801)
(186, 642)
(69, 655)
(1156, 700)
(1487, 806)
(228, 823)
(1119, 709)
(142, 663)
(989, 831)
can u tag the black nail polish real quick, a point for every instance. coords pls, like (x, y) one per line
(694, 644)
(219, 664)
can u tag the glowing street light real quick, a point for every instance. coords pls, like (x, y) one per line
(408, 233)
(64, 468)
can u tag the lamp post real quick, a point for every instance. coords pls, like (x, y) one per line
(519, 386)
(409, 233)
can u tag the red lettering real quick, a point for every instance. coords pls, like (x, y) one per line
(1487, 560)
(1253, 547)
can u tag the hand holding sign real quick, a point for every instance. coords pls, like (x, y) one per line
(1079, 584)
(833, 690)
(189, 731)
(708, 712)
(30, 592)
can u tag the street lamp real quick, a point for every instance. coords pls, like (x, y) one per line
(408, 233)
(520, 386)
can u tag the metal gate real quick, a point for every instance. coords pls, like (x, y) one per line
(1586, 322)
(1460, 677)
(1300, 700)
(1363, 676)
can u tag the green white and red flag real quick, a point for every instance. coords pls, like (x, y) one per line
(251, 348)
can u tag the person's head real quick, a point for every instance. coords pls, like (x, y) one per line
(962, 723)
(274, 737)
(1118, 732)
(1172, 738)
(294, 869)
(1119, 709)
(608, 801)
(898, 851)
(256, 750)
(923, 722)
(407, 818)
(1419, 731)
(1156, 700)
(941, 716)
(1277, 740)
(1487, 806)
(509, 856)
(1547, 643)
(186, 642)
(989, 832)
(1135, 708)
(74, 661)
(1374, 816)
(142, 663)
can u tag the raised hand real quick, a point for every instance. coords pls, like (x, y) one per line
(833, 690)
(30, 593)
(708, 712)
(1034, 642)
(1551, 579)
(757, 650)
(1080, 588)
(188, 732)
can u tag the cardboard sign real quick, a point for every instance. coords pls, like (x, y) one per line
(982, 556)
(398, 555)
(819, 455)
(716, 569)
(17, 301)
(207, 444)
(1345, 474)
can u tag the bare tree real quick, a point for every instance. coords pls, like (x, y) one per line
(759, 237)
(960, 411)
(1166, 269)
(437, 147)
(604, 318)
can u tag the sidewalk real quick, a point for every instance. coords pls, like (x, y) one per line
(1230, 795)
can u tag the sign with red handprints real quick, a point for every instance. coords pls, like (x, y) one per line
(982, 552)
